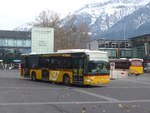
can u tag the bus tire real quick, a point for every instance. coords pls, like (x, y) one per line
(137, 74)
(33, 76)
(66, 80)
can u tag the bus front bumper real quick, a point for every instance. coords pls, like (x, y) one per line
(95, 80)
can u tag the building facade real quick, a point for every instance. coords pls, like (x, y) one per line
(141, 46)
(14, 43)
(115, 48)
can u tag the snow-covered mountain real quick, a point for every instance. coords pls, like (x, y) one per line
(101, 17)
(135, 24)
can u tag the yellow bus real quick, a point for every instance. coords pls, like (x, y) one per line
(82, 67)
(130, 66)
(136, 66)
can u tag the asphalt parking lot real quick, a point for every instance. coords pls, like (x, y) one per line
(19, 95)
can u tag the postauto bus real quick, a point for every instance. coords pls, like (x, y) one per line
(77, 66)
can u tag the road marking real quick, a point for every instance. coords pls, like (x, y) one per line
(74, 102)
(33, 88)
(96, 95)
(124, 87)
(111, 87)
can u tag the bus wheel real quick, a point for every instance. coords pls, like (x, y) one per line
(33, 76)
(137, 74)
(66, 80)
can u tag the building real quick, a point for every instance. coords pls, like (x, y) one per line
(115, 48)
(141, 46)
(42, 40)
(13, 43)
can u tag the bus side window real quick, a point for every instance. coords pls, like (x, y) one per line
(33, 62)
(53, 63)
(43, 62)
(77, 63)
(66, 63)
(26, 62)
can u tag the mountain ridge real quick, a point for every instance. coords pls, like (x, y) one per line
(102, 17)
(133, 25)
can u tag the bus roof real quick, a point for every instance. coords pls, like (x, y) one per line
(69, 51)
(125, 60)
(119, 60)
(79, 50)
(93, 54)
(136, 59)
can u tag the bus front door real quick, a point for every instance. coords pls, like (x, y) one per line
(78, 72)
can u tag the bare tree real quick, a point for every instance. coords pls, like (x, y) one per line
(76, 33)
(47, 19)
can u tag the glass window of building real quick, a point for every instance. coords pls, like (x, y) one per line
(107, 45)
(19, 43)
(11, 50)
(5, 42)
(28, 43)
(11, 43)
(126, 53)
(25, 51)
(15, 43)
(1, 42)
(113, 45)
(111, 53)
(24, 43)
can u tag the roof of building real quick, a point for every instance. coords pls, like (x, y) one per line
(141, 36)
(109, 40)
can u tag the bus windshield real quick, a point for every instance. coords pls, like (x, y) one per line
(98, 67)
(136, 63)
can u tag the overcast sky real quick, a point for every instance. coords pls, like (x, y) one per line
(14, 13)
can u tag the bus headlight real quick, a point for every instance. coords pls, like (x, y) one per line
(88, 80)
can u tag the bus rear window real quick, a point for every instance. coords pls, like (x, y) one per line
(136, 63)
(122, 65)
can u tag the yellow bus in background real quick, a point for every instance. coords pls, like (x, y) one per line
(82, 67)
(132, 66)
(136, 66)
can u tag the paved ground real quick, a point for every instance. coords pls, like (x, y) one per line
(18, 95)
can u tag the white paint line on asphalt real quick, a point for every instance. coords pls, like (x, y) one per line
(33, 88)
(96, 95)
(69, 88)
(75, 102)
(131, 87)
(140, 82)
